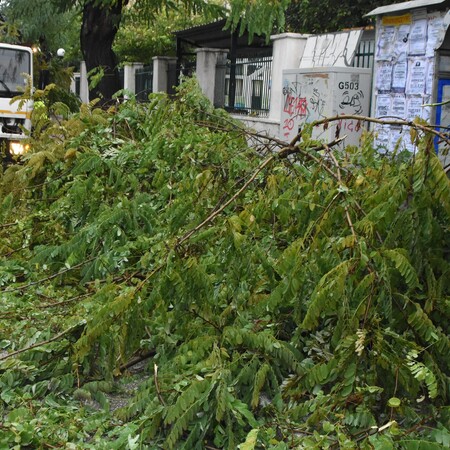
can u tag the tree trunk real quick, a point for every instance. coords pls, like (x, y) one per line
(99, 27)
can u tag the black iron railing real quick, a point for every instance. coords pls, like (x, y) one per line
(249, 92)
(144, 83)
(365, 54)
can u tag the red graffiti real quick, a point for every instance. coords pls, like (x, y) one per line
(288, 124)
(348, 125)
(296, 106)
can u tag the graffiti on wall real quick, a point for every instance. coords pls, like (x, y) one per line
(331, 49)
(310, 96)
(304, 101)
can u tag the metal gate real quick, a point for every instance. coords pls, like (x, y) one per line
(144, 83)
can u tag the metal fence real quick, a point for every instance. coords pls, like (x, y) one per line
(144, 83)
(364, 55)
(247, 86)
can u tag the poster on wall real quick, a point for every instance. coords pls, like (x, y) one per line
(399, 106)
(383, 138)
(383, 106)
(401, 45)
(386, 42)
(384, 76)
(400, 74)
(417, 76)
(430, 77)
(405, 70)
(436, 33)
(418, 37)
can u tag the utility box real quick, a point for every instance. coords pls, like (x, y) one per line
(318, 93)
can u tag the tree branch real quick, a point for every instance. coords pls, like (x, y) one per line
(48, 341)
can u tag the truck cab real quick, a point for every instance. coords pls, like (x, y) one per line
(16, 66)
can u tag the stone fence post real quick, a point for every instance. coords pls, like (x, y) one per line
(164, 68)
(129, 76)
(84, 83)
(210, 78)
(287, 52)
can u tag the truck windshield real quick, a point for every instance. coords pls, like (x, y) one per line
(13, 65)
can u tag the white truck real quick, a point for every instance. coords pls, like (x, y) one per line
(16, 65)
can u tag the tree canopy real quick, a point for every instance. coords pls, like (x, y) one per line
(305, 16)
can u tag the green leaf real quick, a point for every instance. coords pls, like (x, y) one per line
(394, 402)
(250, 441)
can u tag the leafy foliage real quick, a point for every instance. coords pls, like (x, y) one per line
(286, 302)
(306, 16)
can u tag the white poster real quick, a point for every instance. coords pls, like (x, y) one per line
(397, 137)
(418, 37)
(399, 106)
(386, 43)
(436, 32)
(399, 74)
(414, 107)
(430, 77)
(409, 145)
(384, 76)
(427, 110)
(402, 40)
(382, 139)
(384, 105)
(417, 75)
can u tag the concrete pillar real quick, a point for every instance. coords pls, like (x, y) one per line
(84, 83)
(288, 50)
(129, 76)
(73, 83)
(207, 59)
(162, 69)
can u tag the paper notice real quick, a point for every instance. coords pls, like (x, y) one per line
(399, 75)
(384, 76)
(418, 37)
(397, 138)
(402, 40)
(436, 33)
(384, 105)
(382, 139)
(399, 106)
(386, 43)
(430, 78)
(427, 110)
(414, 107)
(417, 74)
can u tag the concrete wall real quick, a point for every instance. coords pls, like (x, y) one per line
(288, 50)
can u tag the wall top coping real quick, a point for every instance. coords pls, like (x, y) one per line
(211, 50)
(165, 58)
(276, 37)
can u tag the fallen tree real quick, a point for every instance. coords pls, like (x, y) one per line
(293, 295)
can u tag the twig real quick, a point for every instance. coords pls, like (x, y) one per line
(284, 153)
(40, 344)
(215, 213)
(72, 299)
(137, 359)
(398, 122)
(347, 214)
(7, 225)
(192, 311)
(395, 390)
(158, 391)
(50, 277)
